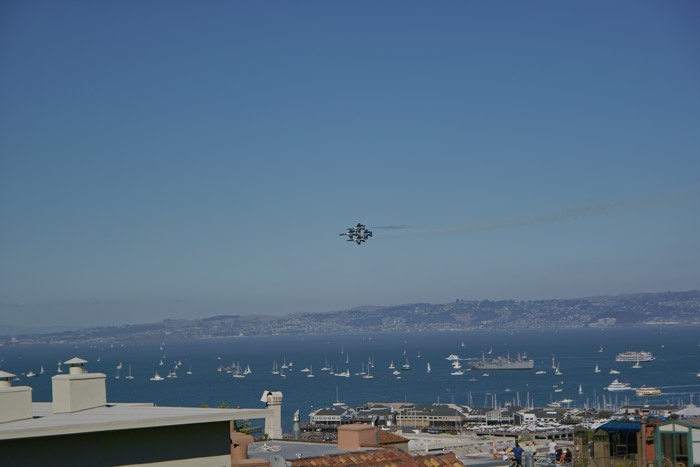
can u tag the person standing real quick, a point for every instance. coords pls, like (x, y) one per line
(552, 450)
(518, 455)
(568, 456)
(529, 456)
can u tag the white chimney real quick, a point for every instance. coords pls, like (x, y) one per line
(15, 402)
(273, 422)
(78, 390)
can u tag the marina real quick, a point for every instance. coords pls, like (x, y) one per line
(334, 360)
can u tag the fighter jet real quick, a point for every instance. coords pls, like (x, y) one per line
(358, 234)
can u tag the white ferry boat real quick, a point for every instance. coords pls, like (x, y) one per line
(618, 386)
(648, 391)
(630, 356)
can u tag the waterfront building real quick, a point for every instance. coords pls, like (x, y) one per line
(636, 411)
(439, 416)
(332, 415)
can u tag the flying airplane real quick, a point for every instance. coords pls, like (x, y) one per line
(358, 234)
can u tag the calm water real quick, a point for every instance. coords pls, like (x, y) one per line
(577, 352)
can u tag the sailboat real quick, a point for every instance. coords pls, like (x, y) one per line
(129, 375)
(428, 370)
(238, 373)
(311, 372)
(406, 366)
(60, 370)
(157, 377)
(117, 375)
(637, 365)
(391, 365)
(596, 370)
(189, 371)
(337, 402)
(580, 389)
(368, 375)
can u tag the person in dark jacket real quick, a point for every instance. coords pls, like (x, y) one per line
(518, 454)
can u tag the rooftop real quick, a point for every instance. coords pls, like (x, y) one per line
(117, 416)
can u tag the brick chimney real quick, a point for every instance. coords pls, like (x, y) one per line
(356, 436)
(15, 402)
(78, 390)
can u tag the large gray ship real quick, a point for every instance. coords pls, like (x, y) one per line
(503, 363)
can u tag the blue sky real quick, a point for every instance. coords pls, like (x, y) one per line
(170, 159)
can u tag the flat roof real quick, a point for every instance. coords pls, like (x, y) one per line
(117, 416)
(295, 449)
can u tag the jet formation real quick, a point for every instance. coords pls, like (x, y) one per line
(358, 234)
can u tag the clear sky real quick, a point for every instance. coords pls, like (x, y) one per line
(172, 159)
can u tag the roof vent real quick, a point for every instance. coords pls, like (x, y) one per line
(6, 379)
(76, 365)
(15, 402)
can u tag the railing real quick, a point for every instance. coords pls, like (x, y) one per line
(621, 461)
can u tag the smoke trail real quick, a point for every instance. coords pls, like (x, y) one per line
(563, 215)
(390, 227)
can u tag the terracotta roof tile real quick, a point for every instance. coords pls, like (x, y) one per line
(380, 458)
(387, 437)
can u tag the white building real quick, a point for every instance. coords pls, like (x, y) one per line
(80, 428)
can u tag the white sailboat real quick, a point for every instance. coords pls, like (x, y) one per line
(428, 369)
(391, 365)
(311, 372)
(637, 365)
(337, 402)
(129, 375)
(156, 377)
(117, 375)
(238, 373)
(596, 370)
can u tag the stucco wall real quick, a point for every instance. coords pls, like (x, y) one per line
(122, 447)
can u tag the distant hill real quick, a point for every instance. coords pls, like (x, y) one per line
(667, 308)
